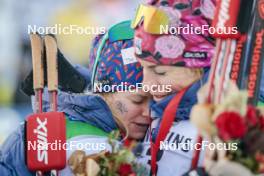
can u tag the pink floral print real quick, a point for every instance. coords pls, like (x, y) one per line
(169, 46)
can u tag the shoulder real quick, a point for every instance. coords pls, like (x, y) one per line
(15, 142)
(12, 154)
(78, 128)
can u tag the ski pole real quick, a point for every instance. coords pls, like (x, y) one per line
(44, 128)
(38, 73)
(52, 75)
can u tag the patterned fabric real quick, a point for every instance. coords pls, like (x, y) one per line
(113, 68)
(179, 49)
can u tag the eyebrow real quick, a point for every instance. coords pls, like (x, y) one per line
(152, 66)
(142, 97)
(138, 97)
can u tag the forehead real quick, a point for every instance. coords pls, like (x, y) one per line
(153, 65)
(145, 63)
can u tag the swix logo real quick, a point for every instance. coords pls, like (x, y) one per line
(261, 8)
(42, 136)
(255, 64)
(223, 15)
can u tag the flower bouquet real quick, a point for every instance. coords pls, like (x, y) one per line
(120, 161)
(234, 123)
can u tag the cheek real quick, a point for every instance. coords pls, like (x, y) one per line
(148, 77)
(133, 112)
(121, 108)
(175, 83)
(178, 82)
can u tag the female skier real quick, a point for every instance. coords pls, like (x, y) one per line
(173, 51)
(90, 117)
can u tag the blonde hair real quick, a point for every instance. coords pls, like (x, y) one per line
(197, 71)
(108, 97)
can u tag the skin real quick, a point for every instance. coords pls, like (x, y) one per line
(132, 109)
(177, 77)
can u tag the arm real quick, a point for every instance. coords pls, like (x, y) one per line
(12, 155)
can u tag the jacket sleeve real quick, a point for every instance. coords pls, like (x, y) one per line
(12, 155)
(61, 95)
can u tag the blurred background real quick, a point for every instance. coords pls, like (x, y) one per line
(15, 51)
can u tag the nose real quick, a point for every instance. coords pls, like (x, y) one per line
(149, 80)
(145, 110)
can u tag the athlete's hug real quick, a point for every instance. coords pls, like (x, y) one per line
(129, 67)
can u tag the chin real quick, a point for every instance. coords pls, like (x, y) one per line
(137, 136)
(158, 98)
